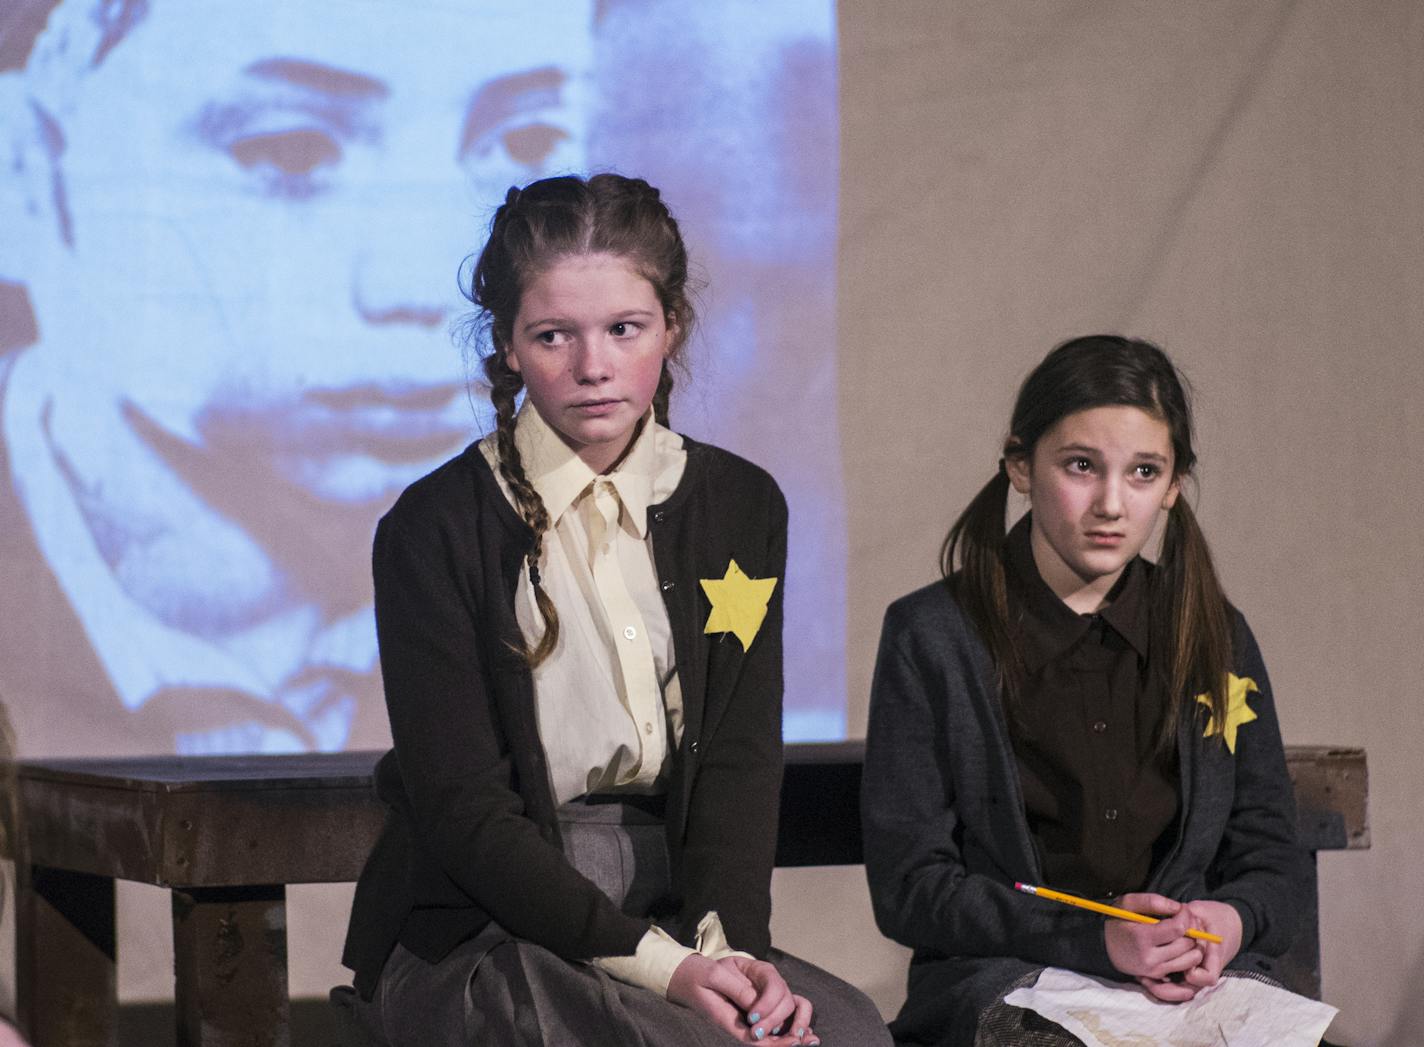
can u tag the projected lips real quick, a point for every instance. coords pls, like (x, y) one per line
(351, 445)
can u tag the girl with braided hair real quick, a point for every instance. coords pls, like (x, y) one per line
(1060, 711)
(580, 632)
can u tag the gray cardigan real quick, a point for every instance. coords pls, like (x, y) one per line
(946, 836)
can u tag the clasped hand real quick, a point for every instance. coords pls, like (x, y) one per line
(1160, 956)
(747, 998)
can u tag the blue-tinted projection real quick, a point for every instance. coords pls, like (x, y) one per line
(229, 244)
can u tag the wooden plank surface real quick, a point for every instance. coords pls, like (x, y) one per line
(211, 773)
(211, 837)
(312, 818)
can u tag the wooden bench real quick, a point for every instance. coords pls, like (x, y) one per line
(226, 834)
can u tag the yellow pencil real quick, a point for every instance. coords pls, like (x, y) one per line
(1108, 910)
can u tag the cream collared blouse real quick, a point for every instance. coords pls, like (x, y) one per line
(607, 698)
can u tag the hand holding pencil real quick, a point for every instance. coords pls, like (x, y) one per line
(1107, 910)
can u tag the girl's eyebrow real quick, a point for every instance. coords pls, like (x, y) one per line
(1140, 456)
(564, 321)
(561, 321)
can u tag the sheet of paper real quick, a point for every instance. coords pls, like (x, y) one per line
(1236, 1012)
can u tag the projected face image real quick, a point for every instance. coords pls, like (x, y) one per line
(243, 226)
(266, 238)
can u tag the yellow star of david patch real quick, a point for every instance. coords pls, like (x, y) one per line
(1237, 711)
(738, 603)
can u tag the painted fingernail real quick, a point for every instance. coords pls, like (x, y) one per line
(754, 1017)
(758, 1032)
(776, 1031)
(800, 1032)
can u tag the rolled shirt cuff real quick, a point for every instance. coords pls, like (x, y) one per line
(658, 955)
(712, 939)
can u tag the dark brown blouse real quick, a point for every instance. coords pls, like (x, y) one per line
(1099, 798)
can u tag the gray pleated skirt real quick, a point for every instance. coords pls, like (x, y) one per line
(498, 989)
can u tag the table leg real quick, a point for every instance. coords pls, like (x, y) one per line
(65, 983)
(230, 967)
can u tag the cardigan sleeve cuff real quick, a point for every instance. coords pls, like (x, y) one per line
(658, 955)
(1248, 919)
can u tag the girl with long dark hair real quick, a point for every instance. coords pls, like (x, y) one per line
(1061, 711)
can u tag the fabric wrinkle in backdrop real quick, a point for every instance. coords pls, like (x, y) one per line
(1243, 183)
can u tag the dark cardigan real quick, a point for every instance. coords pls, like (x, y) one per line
(471, 833)
(946, 835)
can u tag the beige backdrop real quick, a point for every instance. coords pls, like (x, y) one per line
(1242, 182)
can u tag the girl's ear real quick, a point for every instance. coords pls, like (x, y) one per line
(1170, 498)
(510, 359)
(1020, 474)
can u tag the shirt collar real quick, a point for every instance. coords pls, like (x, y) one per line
(1047, 627)
(560, 476)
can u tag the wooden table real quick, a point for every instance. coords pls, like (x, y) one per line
(226, 834)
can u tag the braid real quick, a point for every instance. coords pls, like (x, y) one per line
(504, 386)
(534, 227)
(662, 396)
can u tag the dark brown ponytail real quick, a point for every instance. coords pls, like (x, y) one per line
(972, 560)
(1190, 617)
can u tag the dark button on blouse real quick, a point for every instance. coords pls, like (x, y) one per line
(1097, 801)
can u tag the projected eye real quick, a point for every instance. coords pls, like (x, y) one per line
(288, 161)
(532, 144)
